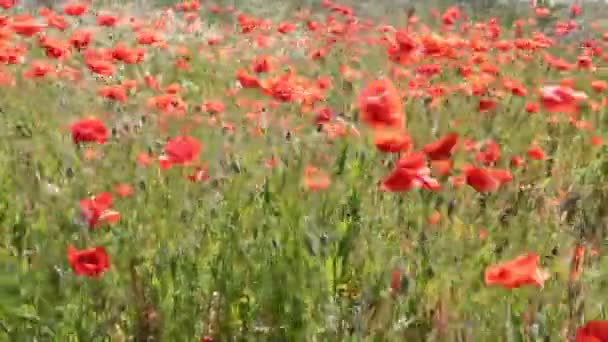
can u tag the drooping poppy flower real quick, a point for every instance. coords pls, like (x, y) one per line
(182, 150)
(520, 271)
(593, 331)
(380, 106)
(97, 210)
(442, 148)
(556, 99)
(90, 262)
(89, 130)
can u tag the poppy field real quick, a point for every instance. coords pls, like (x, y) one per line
(205, 172)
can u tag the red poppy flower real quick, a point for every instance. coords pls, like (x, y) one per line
(486, 180)
(123, 190)
(541, 12)
(26, 28)
(575, 10)
(7, 4)
(286, 27)
(442, 167)
(107, 20)
(442, 148)
(247, 80)
(517, 161)
(536, 153)
(97, 210)
(75, 9)
(128, 55)
(593, 331)
(486, 105)
(115, 93)
(561, 99)
(100, 66)
(380, 105)
(315, 179)
(182, 150)
(532, 107)
(261, 64)
(147, 37)
(523, 270)
(90, 262)
(57, 21)
(89, 130)
(599, 85)
(410, 173)
(323, 115)
(213, 107)
(481, 180)
(80, 39)
(54, 48)
(390, 141)
(490, 153)
(38, 69)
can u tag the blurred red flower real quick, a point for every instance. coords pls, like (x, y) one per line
(380, 105)
(89, 130)
(522, 270)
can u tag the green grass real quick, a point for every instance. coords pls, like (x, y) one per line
(250, 254)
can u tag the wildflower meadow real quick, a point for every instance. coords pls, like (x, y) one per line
(303, 171)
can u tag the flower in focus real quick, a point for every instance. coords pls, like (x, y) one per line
(90, 262)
